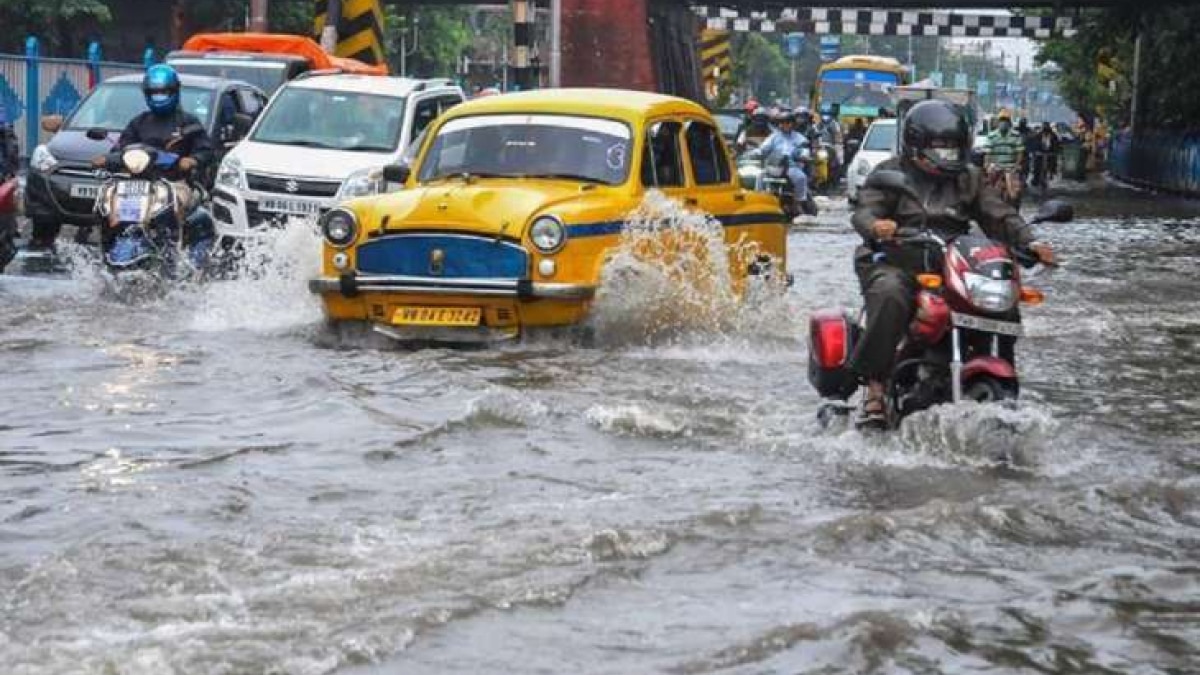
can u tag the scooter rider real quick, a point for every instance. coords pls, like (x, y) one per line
(787, 142)
(1006, 149)
(757, 130)
(934, 153)
(168, 127)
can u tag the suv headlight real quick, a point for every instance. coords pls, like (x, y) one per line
(548, 234)
(230, 174)
(991, 295)
(340, 228)
(42, 160)
(362, 183)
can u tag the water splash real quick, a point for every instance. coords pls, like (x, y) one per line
(672, 277)
(269, 291)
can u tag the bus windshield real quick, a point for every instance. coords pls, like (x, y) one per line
(858, 93)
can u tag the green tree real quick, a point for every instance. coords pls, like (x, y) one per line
(444, 35)
(56, 23)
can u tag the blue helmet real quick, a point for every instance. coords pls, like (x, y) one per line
(161, 88)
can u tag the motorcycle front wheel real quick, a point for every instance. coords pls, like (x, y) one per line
(990, 390)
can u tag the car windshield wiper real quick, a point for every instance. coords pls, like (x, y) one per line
(566, 176)
(366, 148)
(303, 142)
(468, 176)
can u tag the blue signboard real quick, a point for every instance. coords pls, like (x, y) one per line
(960, 80)
(936, 78)
(981, 88)
(831, 48)
(795, 45)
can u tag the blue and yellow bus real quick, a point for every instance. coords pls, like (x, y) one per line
(858, 86)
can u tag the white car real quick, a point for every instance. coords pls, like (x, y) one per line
(322, 139)
(878, 145)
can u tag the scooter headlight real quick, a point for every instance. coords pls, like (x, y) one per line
(136, 161)
(991, 295)
(340, 228)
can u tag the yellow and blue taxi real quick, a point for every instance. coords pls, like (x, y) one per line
(514, 204)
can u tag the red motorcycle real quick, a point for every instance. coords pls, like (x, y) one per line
(960, 343)
(8, 220)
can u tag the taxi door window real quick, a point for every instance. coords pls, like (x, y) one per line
(710, 166)
(662, 165)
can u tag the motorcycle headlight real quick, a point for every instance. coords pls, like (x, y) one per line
(823, 154)
(991, 295)
(42, 160)
(135, 160)
(230, 174)
(548, 234)
(362, 183)
(340, 228)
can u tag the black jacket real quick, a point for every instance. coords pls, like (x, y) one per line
(181, 133)
(951, 203)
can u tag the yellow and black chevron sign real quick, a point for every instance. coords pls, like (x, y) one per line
(714, 54)
(360, 29)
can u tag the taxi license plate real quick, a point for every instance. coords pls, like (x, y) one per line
(85, 191)
(290, 206)
(437, 316)
(988, 325)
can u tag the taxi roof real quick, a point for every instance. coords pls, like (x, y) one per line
(622, 104)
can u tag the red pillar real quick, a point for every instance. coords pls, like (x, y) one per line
(606, 43)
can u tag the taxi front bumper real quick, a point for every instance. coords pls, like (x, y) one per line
(350, 286)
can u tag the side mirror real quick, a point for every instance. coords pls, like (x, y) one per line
(52, 123)
(242, 123)
(1055, 211)
(97, 134)
(892, 181)
(396, 173)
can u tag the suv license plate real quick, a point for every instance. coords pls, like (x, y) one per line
(290, 206)
(988, 325)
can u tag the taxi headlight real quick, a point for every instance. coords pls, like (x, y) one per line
(548, 234)
(135, 160)
(340, 228)
(990, 295)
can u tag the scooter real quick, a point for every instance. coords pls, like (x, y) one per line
(960, 343)
(142, 230)
(773, 179)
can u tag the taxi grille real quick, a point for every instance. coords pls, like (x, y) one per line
(443, 256)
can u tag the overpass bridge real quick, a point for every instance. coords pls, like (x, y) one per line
(654, 44)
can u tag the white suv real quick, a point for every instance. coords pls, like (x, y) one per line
(323, 138)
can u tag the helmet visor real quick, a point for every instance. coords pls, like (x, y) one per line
(945, 155)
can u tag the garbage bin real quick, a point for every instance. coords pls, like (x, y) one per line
(1073, 165)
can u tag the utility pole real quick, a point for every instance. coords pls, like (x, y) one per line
(258, 16)
(329, 34)
(405, 52)
(555, 43)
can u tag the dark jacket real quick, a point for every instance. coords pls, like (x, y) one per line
(952, 205)
(181, 133)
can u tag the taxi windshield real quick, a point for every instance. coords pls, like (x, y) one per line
(569, 147)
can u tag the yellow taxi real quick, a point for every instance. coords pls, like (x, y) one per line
(514, 204)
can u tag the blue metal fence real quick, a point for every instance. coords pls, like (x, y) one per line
(1164, 160)
(33, 85)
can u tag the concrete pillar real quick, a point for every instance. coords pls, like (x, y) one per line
(606, 43)
(524, 76)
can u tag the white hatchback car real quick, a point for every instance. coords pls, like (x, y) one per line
(322, 139)
(878, 145)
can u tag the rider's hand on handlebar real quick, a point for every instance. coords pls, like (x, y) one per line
(99, 162)
(884, 229)
(1045, 254)
(187, 164)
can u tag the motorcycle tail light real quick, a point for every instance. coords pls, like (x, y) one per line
(930, 281)
(829, 341)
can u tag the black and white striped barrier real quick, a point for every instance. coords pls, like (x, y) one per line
(883, 22)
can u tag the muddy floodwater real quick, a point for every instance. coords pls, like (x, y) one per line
(211, 482)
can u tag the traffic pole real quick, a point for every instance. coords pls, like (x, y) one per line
(258, 16)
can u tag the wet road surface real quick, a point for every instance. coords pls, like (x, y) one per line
(212, 482)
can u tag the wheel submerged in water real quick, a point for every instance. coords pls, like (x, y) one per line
(988, 390)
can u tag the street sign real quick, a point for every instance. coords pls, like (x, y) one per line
(960, 80)
(795, 45)
(936, 78)
(831, 48)
(981, 88)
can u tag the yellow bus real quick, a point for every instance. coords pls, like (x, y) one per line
(858, 86)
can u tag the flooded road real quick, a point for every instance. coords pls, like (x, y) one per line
(211, 483)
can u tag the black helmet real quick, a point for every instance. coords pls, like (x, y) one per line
(937, 138)
(783, 115)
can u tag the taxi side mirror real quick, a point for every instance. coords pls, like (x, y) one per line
(52, 123)
(396, 173)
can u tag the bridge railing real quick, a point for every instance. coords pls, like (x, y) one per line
(1162, 160)
(32, 85)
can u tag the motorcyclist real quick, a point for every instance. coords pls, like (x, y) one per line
(934, 154)
(757, 130)
(829, 131)
(1045, 148)
(167, 127)
(788, 142)
(1006, 148)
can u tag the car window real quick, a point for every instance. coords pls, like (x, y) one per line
(113, 104)
(249, 102)
(426, 112)
(662, 164)
(447, 102)
(227, 108)
(880, 138)
(266, 75)
(338, 120)
(709, 164)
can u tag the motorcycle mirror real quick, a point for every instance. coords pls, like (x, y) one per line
(892, 181)
(1055, 211)
(97, 134)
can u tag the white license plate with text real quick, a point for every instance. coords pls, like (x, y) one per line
(85, 190)
(294, 207)
(988, 325)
